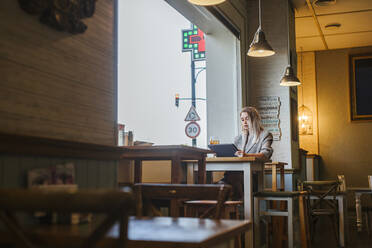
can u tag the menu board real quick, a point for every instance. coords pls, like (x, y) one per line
(269, 109)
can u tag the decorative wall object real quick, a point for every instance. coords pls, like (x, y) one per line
(63, 15)
(361, 87)
(269, 109)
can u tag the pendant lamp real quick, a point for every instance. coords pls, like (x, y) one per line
(289, 78)
(259, 46)
(206, 2)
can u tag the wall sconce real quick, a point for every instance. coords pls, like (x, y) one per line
(305, 116)
(305, 119)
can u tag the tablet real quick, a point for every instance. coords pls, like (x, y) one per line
(224, 150)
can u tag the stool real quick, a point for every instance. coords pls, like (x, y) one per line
(274, 166)
(286, 196)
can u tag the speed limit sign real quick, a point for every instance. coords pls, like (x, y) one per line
(192, 129)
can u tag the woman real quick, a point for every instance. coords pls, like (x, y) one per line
(253, 140)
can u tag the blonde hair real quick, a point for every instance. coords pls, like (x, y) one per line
(255, 119)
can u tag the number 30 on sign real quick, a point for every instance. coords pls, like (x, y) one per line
(192, 130)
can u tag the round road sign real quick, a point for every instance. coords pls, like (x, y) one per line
(192, 129)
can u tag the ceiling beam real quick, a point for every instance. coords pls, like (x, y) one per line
(337, 13)
(313, 36)
(317, 24)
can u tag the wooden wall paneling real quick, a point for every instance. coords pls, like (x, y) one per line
(82, 170)
(88, 173)
(109, 175)
(43, 83)
(26, 163)
(11, 168)
(56, 84)
(22, 102)
(93, 178)
(29, 124)
(2, 173)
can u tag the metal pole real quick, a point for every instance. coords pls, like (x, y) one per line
(193, 97)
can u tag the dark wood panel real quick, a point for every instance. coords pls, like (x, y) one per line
(72, 67)
(21, 102)
(35, 146)
(31, 125)
(56, 84)
(41, 84)
(14, 170)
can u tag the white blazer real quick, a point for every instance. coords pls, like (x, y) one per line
(262, 144)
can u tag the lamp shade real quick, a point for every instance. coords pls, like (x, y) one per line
(259, 46)
(289, 78)
(206, 2)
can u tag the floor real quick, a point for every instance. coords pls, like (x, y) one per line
(325, 236)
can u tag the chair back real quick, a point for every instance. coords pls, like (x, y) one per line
(115, 205)
(321, 190)
(146, 193)
(321, 201)
(341, 179)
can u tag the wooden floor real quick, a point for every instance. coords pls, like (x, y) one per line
(325, 237)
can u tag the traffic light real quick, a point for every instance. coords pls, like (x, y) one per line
(177, 100)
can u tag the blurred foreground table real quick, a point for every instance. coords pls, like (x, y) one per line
(149, 232)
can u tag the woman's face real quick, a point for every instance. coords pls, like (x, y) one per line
(245, 121)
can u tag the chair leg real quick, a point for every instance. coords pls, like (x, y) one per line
(290, 222)
(334, 220)
(367, 222)
(304, 224)
(256, 229)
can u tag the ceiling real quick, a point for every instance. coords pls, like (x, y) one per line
(355, 17)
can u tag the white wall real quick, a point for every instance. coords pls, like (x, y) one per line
(152, 68)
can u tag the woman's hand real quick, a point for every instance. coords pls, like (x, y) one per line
(239, 153)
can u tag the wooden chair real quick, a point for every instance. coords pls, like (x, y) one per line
(321, 201)
(115, 205)
(178, 193)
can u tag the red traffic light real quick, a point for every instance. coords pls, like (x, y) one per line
(177, 100)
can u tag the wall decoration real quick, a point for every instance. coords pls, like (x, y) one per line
(361, 87)
(63, 15)
(269, 109)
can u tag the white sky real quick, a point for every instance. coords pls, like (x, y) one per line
(152, 69)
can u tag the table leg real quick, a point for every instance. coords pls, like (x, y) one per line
(248, 188)
(175, 178)
(358, 209)
(176, 170)
(290, 222)
(256, 222)
(341, 223)
(274, 185)
(282, 183)
(137, 171)
(201, 171)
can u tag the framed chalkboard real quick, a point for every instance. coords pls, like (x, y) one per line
(361, 87)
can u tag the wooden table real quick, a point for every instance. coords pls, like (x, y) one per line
(249, 166)
(358, 204)
(175, 153)
(161, 232)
